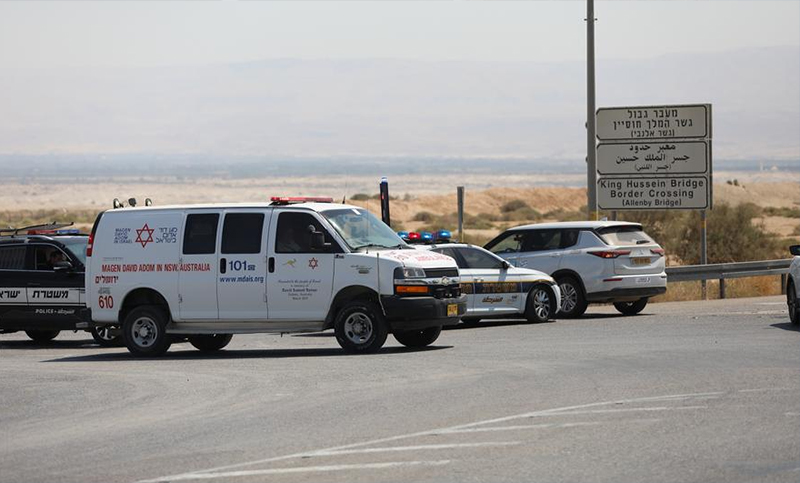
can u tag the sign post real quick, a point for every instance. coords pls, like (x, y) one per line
(656, 158)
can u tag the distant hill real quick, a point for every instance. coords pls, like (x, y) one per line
(391, 107)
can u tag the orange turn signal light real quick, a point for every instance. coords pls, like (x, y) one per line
(411, 289)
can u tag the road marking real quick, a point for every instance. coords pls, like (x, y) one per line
(517, 428)
(413, 448)
(670, 397)
(307, 469)
(625, 410)
(766, 389)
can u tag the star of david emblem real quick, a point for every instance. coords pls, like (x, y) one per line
(313, 264)
(148, 237)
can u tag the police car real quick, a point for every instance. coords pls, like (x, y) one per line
(495, 289)
(42, 283)
(793, 286)
(297, 264)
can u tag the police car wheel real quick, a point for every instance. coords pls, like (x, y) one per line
(541, 304)
(107, 336)
(144, 331)
(42, 335)
(360, 328)
(631, 308)
(210, 343)
(418, 338)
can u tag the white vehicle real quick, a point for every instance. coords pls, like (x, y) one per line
(592, 261)
(295, 265)
(495, 289)
(793, 286)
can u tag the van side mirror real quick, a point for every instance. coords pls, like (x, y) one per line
(62, 266)
(795, 250)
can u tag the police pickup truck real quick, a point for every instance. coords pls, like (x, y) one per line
(42, 283)
(206, 272)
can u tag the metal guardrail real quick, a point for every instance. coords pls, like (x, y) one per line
(723, 271)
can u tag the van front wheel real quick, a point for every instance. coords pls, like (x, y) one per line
(360, 327)
(144, 331)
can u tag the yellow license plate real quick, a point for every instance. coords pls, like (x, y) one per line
(452, 310)
(640, 260)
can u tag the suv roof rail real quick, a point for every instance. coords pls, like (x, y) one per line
(41, 227)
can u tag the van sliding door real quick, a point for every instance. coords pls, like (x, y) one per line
(242, 265)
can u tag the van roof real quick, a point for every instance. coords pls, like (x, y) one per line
(219, 206)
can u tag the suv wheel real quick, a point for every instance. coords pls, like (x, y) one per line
(791, 303)
(42, 336)
(541, 304)
(360, 328)
(210, 343)
(144, 331)
(107, 336)
(418, 338)
(573, 302)
(631, 308)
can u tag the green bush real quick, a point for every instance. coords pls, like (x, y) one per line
(360, 197)
(424, 216)
(513, 205)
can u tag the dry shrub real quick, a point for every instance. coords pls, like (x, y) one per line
(734, 288)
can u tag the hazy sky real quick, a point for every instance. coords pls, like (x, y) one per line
(113, 33)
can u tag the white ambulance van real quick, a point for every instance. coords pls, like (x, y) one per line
(205, 272)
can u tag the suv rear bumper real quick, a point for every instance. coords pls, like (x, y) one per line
(625, 294)
(411, 313)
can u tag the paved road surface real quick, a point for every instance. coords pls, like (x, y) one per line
(685, 392)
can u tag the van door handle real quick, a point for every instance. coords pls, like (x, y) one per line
(222, 265)
(271, 264)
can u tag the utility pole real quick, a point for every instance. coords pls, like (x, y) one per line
(591, 153)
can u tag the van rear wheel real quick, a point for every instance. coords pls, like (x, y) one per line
(42, 336)
(360, 327)
(418, 338)
(144, 331)
(210, 343)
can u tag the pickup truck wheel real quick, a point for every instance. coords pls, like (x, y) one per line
(42, 335)
(107, 336)
(360, 327)
(144, 331)
(631, 308)
(418, 338)
(541, 304)
(573, 302)
(210, 343)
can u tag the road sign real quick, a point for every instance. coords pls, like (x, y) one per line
(654, 122)
(649, 158)
(654, 193)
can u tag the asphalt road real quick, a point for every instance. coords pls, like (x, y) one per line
(699, 391)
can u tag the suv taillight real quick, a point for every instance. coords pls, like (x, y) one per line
(657, 251)
(609, 253)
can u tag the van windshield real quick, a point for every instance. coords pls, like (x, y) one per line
(361, 229)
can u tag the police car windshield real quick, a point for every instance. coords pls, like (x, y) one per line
(361, 229)
(77, 245)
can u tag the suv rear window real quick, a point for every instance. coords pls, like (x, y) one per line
(624, 235)
(12, 258)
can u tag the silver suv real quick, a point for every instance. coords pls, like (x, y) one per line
(592, 261)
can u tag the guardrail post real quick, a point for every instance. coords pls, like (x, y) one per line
(722, 288)
(783, 284)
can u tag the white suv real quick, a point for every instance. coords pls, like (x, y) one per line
(793, 286)
(592, 261)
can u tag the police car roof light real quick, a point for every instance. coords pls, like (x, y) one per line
(41, 229)
(288, 200)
